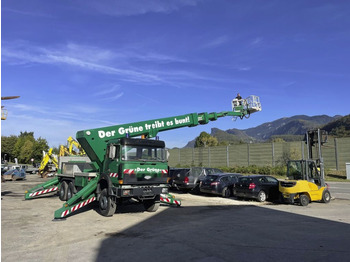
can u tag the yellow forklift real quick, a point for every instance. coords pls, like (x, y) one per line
(305, 178)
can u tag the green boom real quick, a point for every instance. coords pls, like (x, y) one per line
(94, 141)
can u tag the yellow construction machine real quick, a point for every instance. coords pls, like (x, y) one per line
(306, 179)
(45, 167)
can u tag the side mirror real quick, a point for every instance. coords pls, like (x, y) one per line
(112, 150)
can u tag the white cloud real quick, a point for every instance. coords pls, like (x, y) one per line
(138, 7)
(113, 98)
(219, 41)
(256, 41)
(23, 53)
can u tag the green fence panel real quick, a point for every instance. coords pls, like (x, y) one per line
(335, 154)
(238, 155)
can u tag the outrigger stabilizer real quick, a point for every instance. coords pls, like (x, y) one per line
(81, 198)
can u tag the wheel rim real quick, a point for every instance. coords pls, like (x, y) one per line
(327, 196)
(304, 200)
(62, 192)
(262, 196)
(69, 194)
(103, 202)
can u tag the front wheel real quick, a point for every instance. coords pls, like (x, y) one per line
(106, 205)
(262, 196)
(152, 205)
(326, 196)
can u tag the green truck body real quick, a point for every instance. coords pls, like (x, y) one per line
(119, 166)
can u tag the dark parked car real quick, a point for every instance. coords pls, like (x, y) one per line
(186, 181)
(174, 173)
(219, 184)
(259, 187)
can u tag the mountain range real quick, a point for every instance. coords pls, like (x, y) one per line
(287, 128)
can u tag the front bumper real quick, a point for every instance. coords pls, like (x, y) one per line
(141, 192)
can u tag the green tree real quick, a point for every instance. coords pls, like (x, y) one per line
(7, 147)
(27, 148)
(205, 140)
(40, 145)
(26, 151)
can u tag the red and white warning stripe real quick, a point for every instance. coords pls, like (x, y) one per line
(52, 189)
(170, 201)
(113, 174)
(164, 171)
(78, 206)
(129, 171)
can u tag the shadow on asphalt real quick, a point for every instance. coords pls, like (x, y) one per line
(228, 233)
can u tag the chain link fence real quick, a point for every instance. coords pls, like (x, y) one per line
(335, 154)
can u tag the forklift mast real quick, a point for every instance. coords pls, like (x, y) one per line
(317, 138)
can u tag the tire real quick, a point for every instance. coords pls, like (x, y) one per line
(63, 191)
(326, 196)
(106, 205)
(71, 190)
(152, 205)
(262, 196)
(226, 192)
(304, 200)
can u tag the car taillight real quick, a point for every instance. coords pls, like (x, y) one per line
(214, 183)
(186, 179)
(251, 186)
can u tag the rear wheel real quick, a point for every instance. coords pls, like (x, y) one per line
(304, 200)
(63, 191)
(70, 190)
(326, 196)
(106, 205)
(226, 192)
(262, 196)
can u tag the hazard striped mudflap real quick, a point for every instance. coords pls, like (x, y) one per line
(169, 199)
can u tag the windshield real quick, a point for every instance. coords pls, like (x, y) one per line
(143, 153)
(294, 170)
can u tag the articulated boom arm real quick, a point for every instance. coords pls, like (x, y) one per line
(94, 141)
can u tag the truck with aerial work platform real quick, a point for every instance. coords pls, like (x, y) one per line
(122, 162)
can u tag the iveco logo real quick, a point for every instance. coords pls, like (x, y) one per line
(147, 177)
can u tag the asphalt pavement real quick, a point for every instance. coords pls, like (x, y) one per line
(205, 229)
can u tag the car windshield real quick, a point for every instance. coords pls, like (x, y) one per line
(143, 153)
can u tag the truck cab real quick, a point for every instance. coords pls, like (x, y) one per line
(134, 168)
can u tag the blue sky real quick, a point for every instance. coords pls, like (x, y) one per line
(87, 64)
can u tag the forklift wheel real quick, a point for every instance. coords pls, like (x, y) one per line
(326, 196)
(304, 200)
